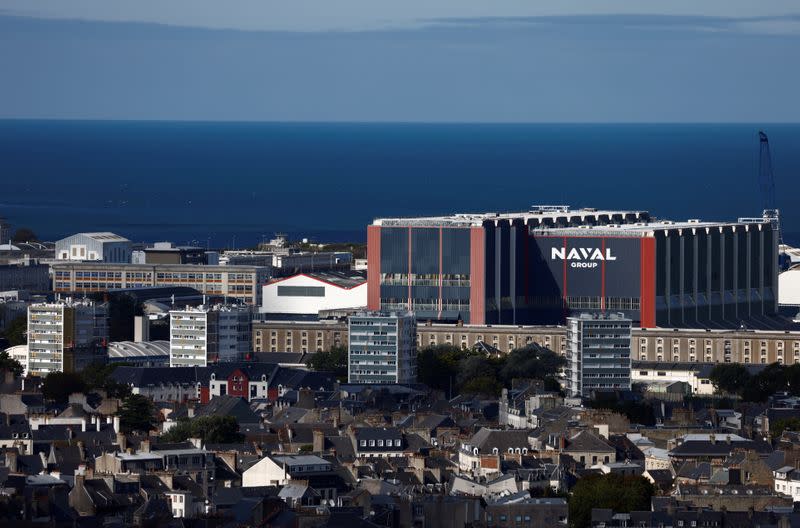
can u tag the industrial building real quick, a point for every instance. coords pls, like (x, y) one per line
(543, 265)
(383, 348)
(139, 353)
(209, 334)
(104, 247)
(66, 336)
(27, 275)
(310, 293)
(598, 353)
(240, 283)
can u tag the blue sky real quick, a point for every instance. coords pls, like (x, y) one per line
(370, 60)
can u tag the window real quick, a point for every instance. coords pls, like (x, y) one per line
(301, 291)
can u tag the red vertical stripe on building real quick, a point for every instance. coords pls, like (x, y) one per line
(409, 268)
(477, 272)
(526, 263)
(440, 272)
(374, 267)
(648, 283)
(603, 277)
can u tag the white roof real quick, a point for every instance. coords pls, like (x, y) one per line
(122, 349)
(105, 236)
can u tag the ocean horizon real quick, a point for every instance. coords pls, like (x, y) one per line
(234, 184)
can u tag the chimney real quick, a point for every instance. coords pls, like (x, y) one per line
(190, 412)
(79, 481)
(728, 439)
(116, 424)
(144, 446)
(83, 425)
(9, 377)
(319, 441)
(81, 450)
(97, 423)
(712, 438)
(11, 460)
(122, 442)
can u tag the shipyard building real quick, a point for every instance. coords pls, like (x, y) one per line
(549, 263)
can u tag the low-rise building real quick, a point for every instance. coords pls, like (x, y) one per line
(298, 336)
(313, 292)
(280, 470)
(240, 283)
(103, 247)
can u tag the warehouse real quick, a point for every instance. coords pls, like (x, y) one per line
(540, 266)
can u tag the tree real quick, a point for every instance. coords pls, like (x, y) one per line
(9, 363)
(621, 494)
(334, 360)
(438, 365)
(531, 362)
(777, 427)
(98, 376)
(24, 234)
(16, 330)
(729, 377)
(136, 414)
(211, 429)
(482, 385)
(58, 386)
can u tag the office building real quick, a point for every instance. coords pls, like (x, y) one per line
(103, 247)
(209, 334)
(598, 353)
(311, 293)
(238, 283)
(540, 266)
(383, 348)
(66, 336)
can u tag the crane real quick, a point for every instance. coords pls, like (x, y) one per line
(766, 182)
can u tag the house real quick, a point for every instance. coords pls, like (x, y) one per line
(481, 453)
(378, 442)
(589, 449)
(279, 470)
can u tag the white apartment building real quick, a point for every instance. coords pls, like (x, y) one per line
(598, 353)
(383, 348)
(209, 334)
(63, 335)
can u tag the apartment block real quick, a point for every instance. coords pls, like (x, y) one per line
(203, 335)
(66, 336)
(598, 353)
(383, 348)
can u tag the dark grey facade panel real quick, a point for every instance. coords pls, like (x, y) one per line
(394, 250)
(425, 251)
(456, 251)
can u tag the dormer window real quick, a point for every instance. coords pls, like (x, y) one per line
(380, 443)
(363, 443)
(397, 443)
(372, 443)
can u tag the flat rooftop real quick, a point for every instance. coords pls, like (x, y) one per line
(636, 229)
(536, 214)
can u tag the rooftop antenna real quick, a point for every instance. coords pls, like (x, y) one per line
(766, 183)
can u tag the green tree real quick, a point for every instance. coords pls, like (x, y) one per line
(58, 386)
(438, 366)
(334, 360)
(15, 331)
(97, 376)
(24, 234)
(777, 428)
(621, 494)
(729, 377)
(136, 414)
(212, 429)
(9, 363)
(531, 362)
(482, 385)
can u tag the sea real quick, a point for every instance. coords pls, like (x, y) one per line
(233, 185)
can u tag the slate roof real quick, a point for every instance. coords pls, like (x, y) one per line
(486, 440)
(588, 442)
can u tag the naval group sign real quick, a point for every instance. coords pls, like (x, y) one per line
(585, 266)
